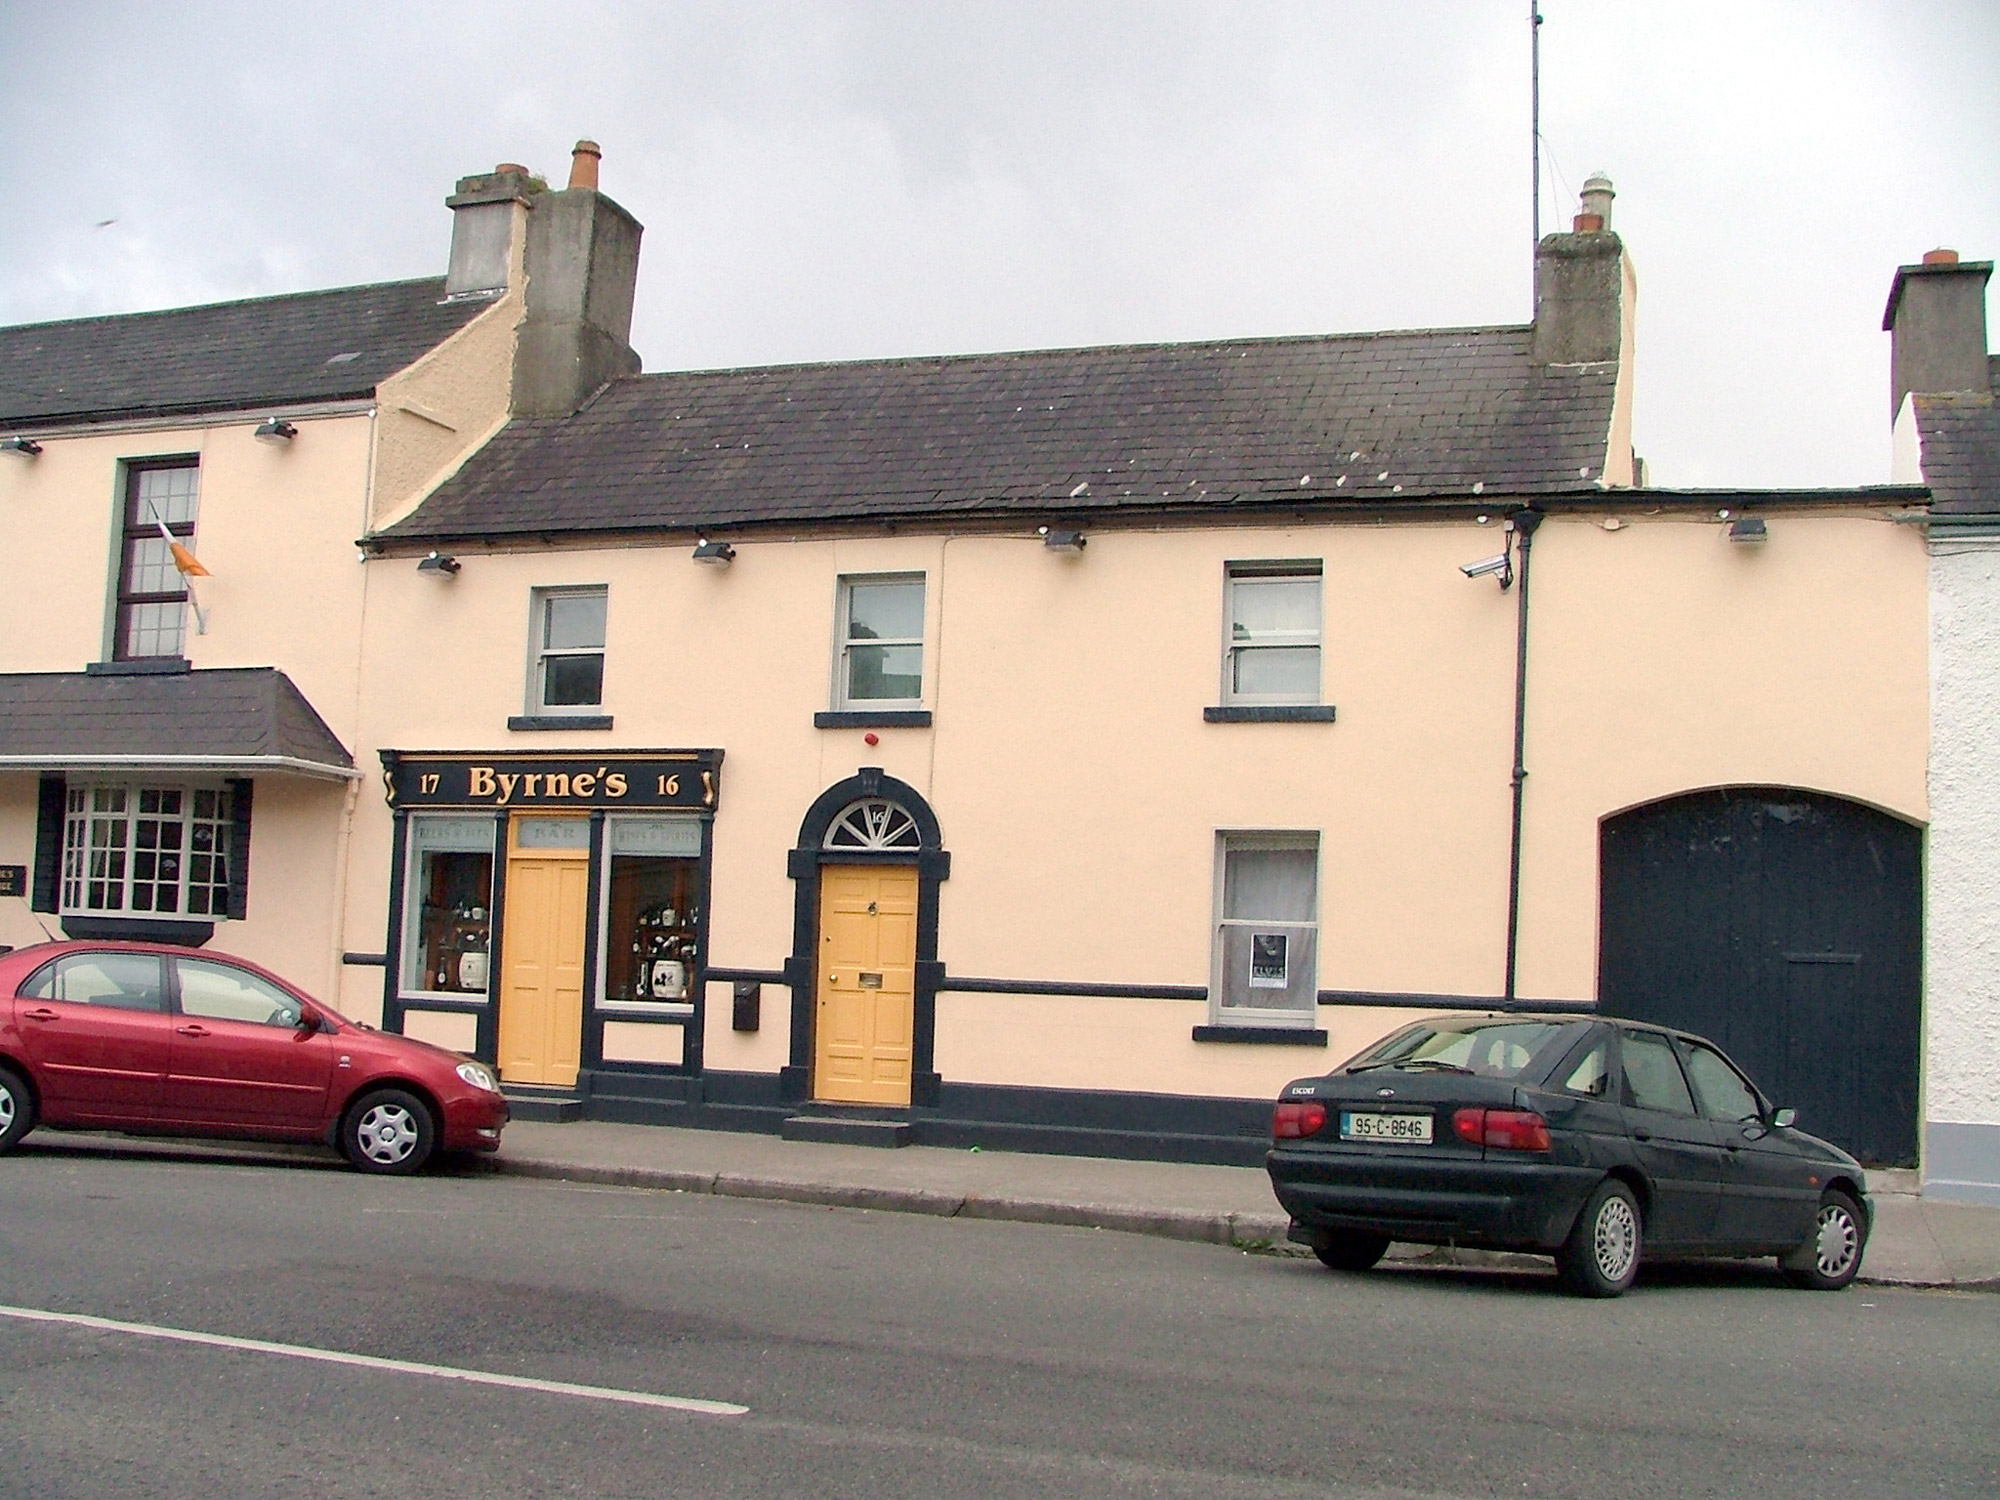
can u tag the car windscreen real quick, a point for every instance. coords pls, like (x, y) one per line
(1491, 1048)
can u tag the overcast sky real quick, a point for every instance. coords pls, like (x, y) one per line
(834, 180)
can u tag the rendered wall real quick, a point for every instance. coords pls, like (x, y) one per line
(1962, 901)
(1080, 790)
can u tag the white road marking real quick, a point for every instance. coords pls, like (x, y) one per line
(374, 1362)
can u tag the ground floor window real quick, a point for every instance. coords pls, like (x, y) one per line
(142, 848)
(448, 905)
(1265, 966)
(652, 915)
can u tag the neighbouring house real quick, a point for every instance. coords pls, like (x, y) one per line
(1947, 436)
(180, 661)
(1063, 749)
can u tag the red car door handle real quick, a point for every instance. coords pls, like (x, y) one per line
(39, 1015)
(192, 1030)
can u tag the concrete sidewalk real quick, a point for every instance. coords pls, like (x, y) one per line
(1916, 1241)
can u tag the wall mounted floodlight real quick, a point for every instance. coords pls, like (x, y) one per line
(1488, 567)
(715, 554)
(23, 447)
(277, 430)
(1062, 541)
(1748, 529)
(439, 565)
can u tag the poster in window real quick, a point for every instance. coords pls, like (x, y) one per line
(1268, 964)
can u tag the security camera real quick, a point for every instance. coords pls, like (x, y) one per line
(1485, 567)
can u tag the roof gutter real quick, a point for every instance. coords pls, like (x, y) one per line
(292, 764)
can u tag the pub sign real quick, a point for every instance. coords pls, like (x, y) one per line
(630, 779)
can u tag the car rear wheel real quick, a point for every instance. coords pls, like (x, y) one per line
(1349, 1249)
(1601, 1256)
(388, 1131)
(1831, 1257)
(17, 1109)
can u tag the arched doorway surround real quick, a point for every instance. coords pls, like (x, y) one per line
(870, 818)
(1786, 925)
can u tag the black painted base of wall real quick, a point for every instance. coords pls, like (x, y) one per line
(1064, 1122)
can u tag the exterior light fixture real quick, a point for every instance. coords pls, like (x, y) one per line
(21, 447)
(715, 554)
(1062, 541)
(277, 430)
(439, 565)
(1749, 530)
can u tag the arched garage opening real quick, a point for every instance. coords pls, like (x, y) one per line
(1786, 925)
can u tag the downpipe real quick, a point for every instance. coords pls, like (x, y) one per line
(1523, 523)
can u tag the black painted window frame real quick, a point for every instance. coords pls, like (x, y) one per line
(137, 524)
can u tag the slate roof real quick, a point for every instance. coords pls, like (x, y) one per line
(1961, 451)
(269, 352)
(240, 715)
(1075, 432)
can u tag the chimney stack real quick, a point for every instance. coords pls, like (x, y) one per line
(1936, 322)
(583, 270)
(1583, 287)
(484, 214)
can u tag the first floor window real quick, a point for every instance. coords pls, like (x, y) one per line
(1274, 634)
(1267, 929)
(152, 593)
(447, 903)
(157, 850)
(567, 674)
(881, 643)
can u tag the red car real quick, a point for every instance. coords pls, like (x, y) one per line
(159, 1040)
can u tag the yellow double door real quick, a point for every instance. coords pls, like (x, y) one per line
(867, 984)
(541, 953)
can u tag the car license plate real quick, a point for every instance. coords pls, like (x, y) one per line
(1372, 1127)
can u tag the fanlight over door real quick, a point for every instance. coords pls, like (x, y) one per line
(874, 823)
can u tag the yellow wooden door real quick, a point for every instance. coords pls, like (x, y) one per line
(541, 956)
(867, 983)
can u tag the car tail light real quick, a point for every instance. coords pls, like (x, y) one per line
(1503, 1129)
(1292, 1121)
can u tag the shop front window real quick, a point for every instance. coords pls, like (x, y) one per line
(449, 906)
(652, 910)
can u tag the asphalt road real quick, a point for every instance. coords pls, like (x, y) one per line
(886, 1355)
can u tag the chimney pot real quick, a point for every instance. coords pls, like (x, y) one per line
(583, 165)
(510, 166)
(1597, 195)
(1940, 257)
(1587, 223)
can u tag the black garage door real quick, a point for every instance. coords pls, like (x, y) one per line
(1785, 925)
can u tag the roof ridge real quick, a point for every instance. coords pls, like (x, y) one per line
(196, 307)
(1260, 340)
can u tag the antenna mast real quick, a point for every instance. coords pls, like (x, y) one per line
(1535, 109)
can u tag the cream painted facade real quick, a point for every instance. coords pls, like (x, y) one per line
(1080, 792)
(275, 527)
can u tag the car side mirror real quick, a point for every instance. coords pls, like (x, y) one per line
(1784, 1119)
(309, 1023)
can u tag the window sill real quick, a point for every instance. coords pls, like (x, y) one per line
(1275, 1036)
(145, 666)
(538, 722)
(874, 718)
(102, 928)
(1269, 713)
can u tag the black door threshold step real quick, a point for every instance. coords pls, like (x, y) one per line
(527, 1101)
(847, 1130)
